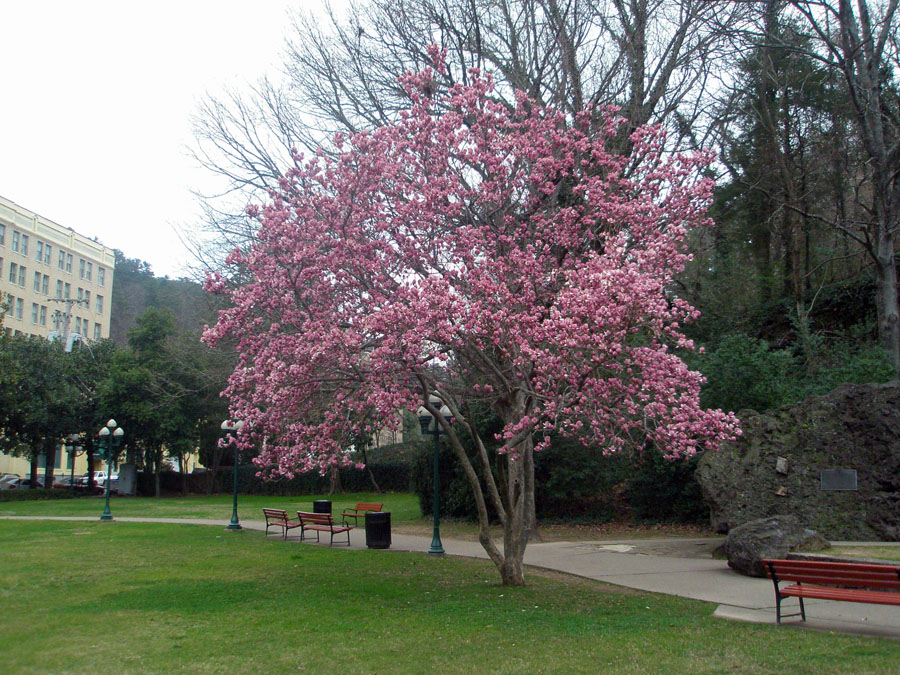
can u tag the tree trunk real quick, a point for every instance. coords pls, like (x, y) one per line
(886, 298)
(334, 482)
(50, 460)
(34, 469)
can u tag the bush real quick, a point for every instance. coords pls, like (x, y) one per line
(742, 372)
(665, 490)
(30, 495)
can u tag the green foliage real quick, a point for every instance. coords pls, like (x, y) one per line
(742, 372)
(665, 490)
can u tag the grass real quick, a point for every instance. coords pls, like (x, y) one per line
(873, 552)
(404, 507)
(150, 598)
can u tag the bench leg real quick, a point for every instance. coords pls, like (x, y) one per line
(802, 610)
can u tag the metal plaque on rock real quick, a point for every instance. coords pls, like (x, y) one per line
(838, 479)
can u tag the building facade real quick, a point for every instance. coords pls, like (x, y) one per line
(54, 281)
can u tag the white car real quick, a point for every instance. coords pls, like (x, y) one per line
(7, 480)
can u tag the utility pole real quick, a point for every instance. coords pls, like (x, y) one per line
(64, 317)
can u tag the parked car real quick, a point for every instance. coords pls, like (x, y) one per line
(24, 484)
(113, 483)
(63, 482)
(99, 477)
(6, 480)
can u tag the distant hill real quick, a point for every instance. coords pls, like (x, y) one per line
(135, 288)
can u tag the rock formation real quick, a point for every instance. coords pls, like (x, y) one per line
(747, 545)
(777, 466)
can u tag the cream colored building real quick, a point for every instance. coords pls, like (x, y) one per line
(53, 280)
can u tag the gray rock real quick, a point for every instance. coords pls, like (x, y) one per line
(853, 427)
(747, 545)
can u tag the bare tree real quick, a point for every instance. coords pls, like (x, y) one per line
(859, 41)
(652, 58)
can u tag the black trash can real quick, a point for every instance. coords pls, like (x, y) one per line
(321, 506)
(378, 529)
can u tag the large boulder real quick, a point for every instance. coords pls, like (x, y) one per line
(776, 466)
(749, 544)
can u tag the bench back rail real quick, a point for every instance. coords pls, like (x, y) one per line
(322, 522)
(360, 510)
(851, 582)
(279, 518)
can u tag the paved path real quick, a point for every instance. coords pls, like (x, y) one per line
(674, 566)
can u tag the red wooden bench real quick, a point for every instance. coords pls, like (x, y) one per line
(279, 518)
(322, 522)
(848, 582)
(360, 510)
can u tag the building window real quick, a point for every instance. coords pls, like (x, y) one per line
(43, 316)
(67, 291)
(70, 460)
(89, 271)
(47, 248)
(2, 234)
(101, 274)
(24, 250)
(39, 254)
(34, 312)
(59, 288)
(22, 273)
(96, 331)
(80, 294)
(1, 267)
(15, 241)
(13, 272)
(68, 262)
(45, 285)
(99, 304)
(78, 325)
(87, 298)
(62, 260)
(20, 306)
(81, 268)
(37, 282)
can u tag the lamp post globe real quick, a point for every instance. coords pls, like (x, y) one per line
(428, 423)
(227, 427)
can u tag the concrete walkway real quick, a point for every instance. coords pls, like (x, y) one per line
(673, 566)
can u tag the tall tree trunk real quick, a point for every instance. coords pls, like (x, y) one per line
(50, 460)
(886, 298)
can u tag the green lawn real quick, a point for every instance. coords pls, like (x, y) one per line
(404, 507)
(126, 597)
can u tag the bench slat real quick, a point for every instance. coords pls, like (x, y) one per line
(842, 594)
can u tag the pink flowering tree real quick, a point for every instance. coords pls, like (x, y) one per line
(471, 253)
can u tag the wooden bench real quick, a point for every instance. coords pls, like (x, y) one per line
(360, 510)
(848, 582)
(322, 522)
(279, 518)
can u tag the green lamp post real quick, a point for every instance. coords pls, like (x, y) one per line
(73, 449)
(228, 426)
(427, 422)
(110, 442)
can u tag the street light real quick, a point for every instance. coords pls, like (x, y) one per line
(73, 449)
(110, 442)
(228, 426)
(427, 421)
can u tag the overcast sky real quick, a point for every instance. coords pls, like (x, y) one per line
(96, 105)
